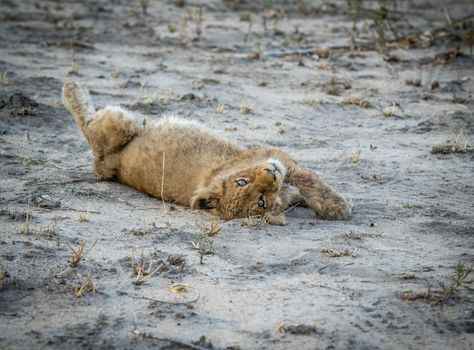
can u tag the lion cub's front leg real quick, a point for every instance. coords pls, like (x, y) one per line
(318, 195)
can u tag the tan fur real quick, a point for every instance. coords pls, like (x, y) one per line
(201, 170)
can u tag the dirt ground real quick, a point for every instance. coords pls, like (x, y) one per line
(374, 281)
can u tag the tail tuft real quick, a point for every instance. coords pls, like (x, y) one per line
(77, 100)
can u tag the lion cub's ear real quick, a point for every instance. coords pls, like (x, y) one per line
(205, 198)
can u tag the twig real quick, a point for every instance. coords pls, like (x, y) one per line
(323, 286)
(64, 208)
(148, 208)
(163, 182)
(174, 341)
(169, 302)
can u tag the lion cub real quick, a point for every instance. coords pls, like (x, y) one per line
(179, 161)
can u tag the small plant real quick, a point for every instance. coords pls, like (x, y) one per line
(142, 273)
(410, 295)
(75, 69)
(6, 279)
(353, 235)
(333, 87)
(391, 111)
(49, 231)
(301, 329)
(378, 234)
(197, 18)
(115, 74)
(202, 243)
(144, 5)
(86, 285)
(78, 254)
(26, 227)
(254, 222)
(413, 82)
(355, 158)
(246, 108)
(219, 108)
(4, 79)
(257, 50)
(25, 111)
(461, 272)
(84, 217)
(213, 229)
(460, 144)
(358, 102)
(446, 291)
(337, 253)
(172, 28)
(155, 98)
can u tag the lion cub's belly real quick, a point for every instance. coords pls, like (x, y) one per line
(170, 162)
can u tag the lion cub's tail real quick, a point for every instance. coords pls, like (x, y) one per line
(77, 100)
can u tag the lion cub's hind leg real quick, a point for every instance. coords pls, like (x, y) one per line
(111, 129)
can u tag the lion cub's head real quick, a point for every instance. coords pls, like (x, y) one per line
(242, 190)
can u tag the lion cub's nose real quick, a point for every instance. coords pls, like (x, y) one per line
(267, 178)
(272, 173)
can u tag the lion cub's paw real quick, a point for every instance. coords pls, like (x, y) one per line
(278, 220)
(338, 210)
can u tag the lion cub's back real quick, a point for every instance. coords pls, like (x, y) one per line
(190, 138)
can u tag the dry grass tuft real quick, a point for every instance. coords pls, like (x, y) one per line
(213, 229)
(254, 222)
(4, 79)
(356, 101)
(5, 278)
(28, 229)
(246, 109)
(392, 111)
(446, 291)
(139, 269)
(337, 253)
(144, 5)
(79, 253)
(378, 234)
(75, 69)
(459, 277)
(220, 108)
(354, 235)
(300, 329)
(202, 243)
(85, 286)
(333, 88)
(413, 82)
(355, 158)
(142, 273)
(84, 217)
(460, 144)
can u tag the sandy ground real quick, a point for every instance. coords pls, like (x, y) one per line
(262, 287)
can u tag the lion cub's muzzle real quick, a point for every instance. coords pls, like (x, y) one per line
(272, 173)
(269, 178)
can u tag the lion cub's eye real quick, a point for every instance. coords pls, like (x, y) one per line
(261, 202)
(241, 182)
